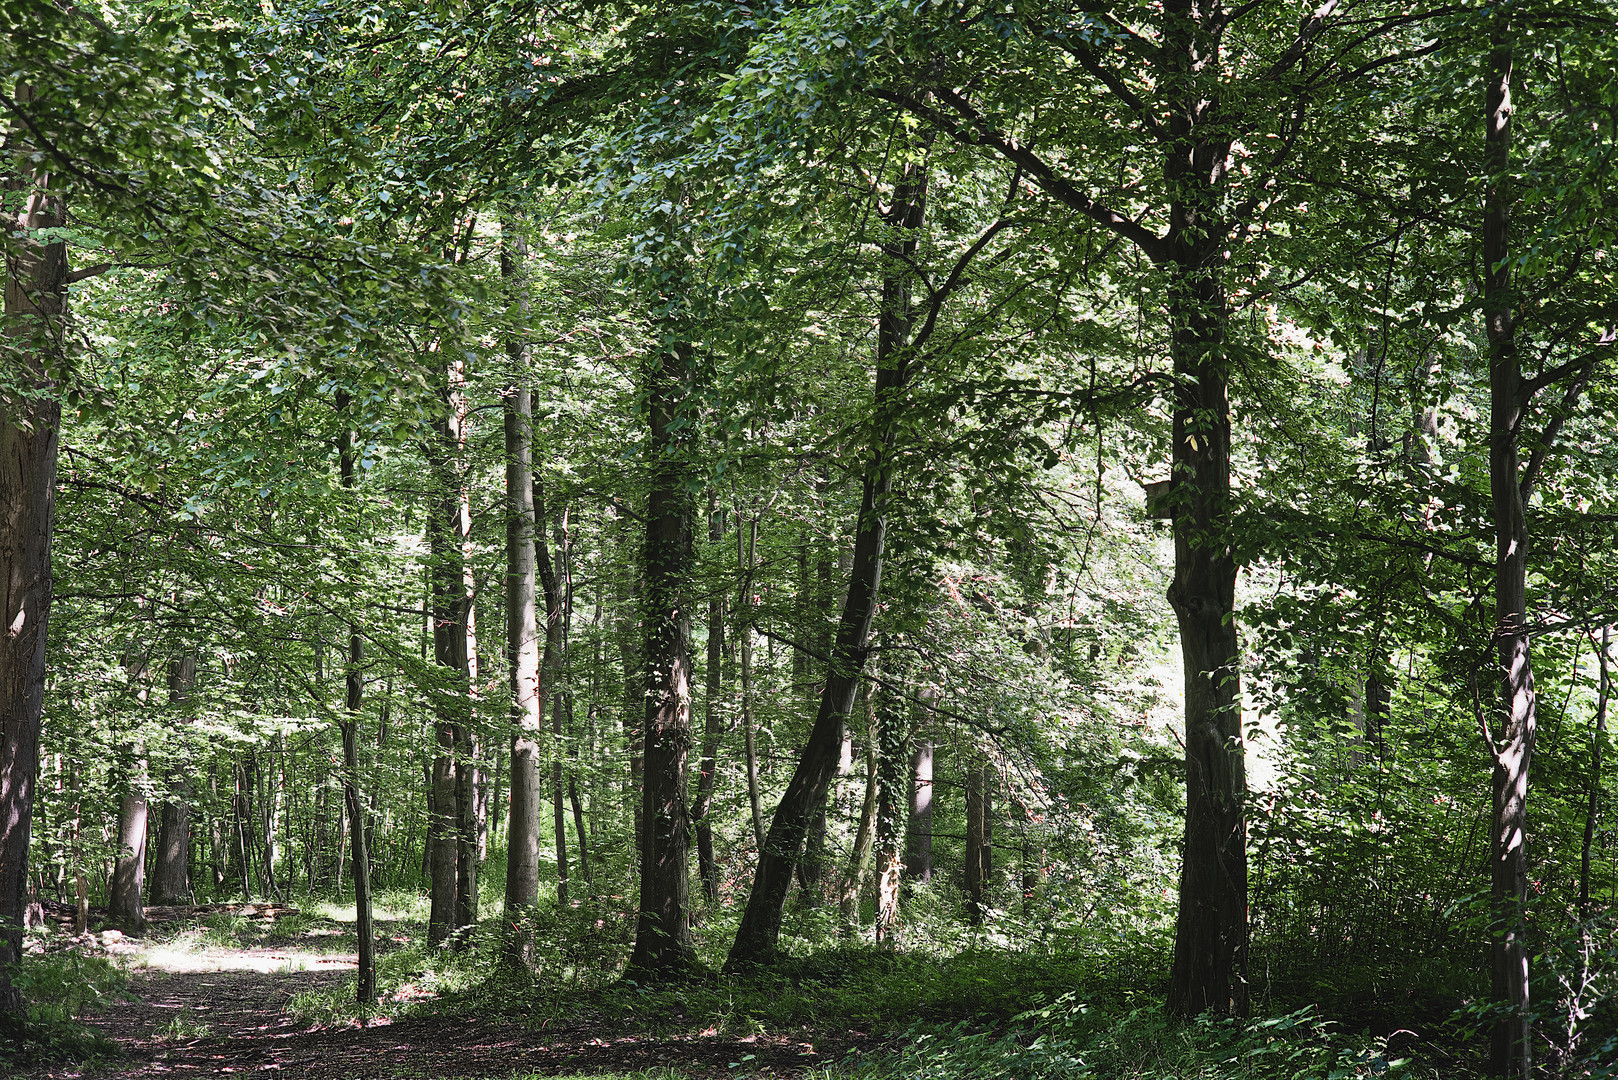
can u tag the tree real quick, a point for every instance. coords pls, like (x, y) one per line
(30, 419)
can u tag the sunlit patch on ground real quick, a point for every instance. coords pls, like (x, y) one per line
(177, 959)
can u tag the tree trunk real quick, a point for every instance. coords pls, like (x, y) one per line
(746, 552)
(578, 828)
(760, 928)
(124, 907)
(663, 945)
(171, 876)
(445, 524)
(979, 779)
(359, 833)
(890, 805)
(859, 857)
(712, 724)
(1597, 744)
(30, 422)
(919, 834)
(1210, 941)
(1512, 735)
(365, 989)
(522, 651)
(550, 669)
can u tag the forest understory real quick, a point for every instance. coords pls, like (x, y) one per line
(228, 995)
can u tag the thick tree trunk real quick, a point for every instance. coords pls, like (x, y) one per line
(522, 651)
(171, 873)
(760, 928)
(1512, 737)
(30, 422)
(124, 905)
(663, 945)
(1210, 944)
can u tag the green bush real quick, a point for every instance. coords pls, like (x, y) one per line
(60, 987)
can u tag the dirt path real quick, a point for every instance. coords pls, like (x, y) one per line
(228, 1017)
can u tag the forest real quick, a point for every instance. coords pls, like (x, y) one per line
(844, 539)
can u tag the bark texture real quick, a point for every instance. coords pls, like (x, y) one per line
(1210, 943)
(30, 420)
(522, 645)
(663, 945)
(1512, 734)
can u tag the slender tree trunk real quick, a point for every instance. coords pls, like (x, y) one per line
(712, 723)
(579, 831)
(760, 928)
(171, 876)
(746, 551)
(1598, 741)
(550, 670)
(859, 857)
(558, 807)
(979, 777)
(522, 645)
(30, 422)
(359, 836)
(890, 807)
(452, 701)
(1512, 737)
(663, 945)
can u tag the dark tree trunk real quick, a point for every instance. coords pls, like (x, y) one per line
(550, 678)
(663, 945)
(466, 830)
(980, 778)
(1512, 735)
(1210, 941)
(358, 827)
(171, 874)
(451, 704)
(1597, 742)
(746, 552)
(35, 304)
(760, 927)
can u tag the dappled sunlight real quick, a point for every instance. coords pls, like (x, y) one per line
(180, 958)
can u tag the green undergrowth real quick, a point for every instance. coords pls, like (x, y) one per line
(1070, 1040)
(60, 987)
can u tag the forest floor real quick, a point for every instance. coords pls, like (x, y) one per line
(194, 1008)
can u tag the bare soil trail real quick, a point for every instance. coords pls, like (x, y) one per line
(224, 1012)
